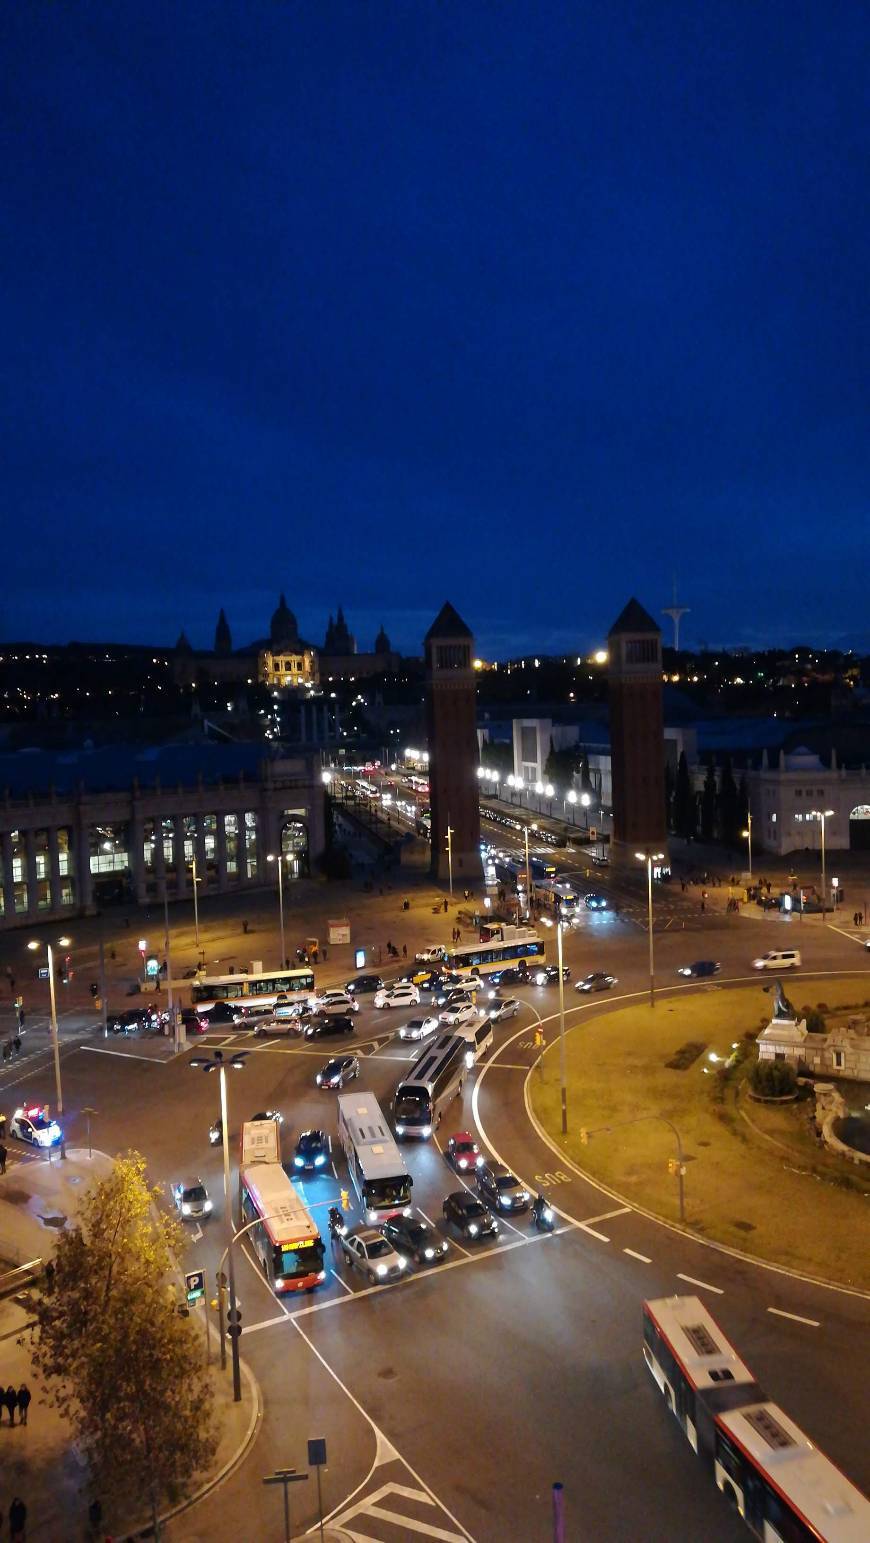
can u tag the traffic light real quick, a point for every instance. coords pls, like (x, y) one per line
(234, 1322)
(63, 970)
(95, 989)
(345, 1200)
(584, 1137)
(539, 1036)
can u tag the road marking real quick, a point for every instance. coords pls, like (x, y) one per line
(335, 1275)
(511, 1066)
(266, 1323)
(591, 1220)
(703, 1283)
(369, 1507)
(261, 1278)
(592, 1233)
(126, 1055)
(812, 1323)
(642, 1257)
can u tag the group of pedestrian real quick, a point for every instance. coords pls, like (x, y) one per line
(19, 1401)
(457, 935)
(17, 1520)
(858, 918)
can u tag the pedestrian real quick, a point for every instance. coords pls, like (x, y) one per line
(3, 1156)
(2, 1126)
(323, 951)
(17, 1520)
(49, 1277)
(404, 950)
(244, 926)
(459, 934)
(10, 1399)
(445, 905)
(389, 947)
(24, 1397)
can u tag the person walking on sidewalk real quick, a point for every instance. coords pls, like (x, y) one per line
(24, 1397)
(3, 1156)
(10, 1399)
(17, 1520)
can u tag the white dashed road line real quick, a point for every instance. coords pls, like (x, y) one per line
(811, 1323)
(634, 1255)
(705, 1284)
(608, 1215)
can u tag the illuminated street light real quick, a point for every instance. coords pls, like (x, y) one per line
(823, 815)
(563, 1073)
(271, 858)
(747, 834)
(219, 1064)
(649, 858)
(33, 945)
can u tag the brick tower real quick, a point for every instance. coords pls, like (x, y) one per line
(637, 744)
(451, 724)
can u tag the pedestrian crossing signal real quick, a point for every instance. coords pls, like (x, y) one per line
(345, 1200)
(234, 1322)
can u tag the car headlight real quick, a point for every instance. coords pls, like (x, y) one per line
(402, 1262)
(463, 1162)
(381, 1269)
(400, 1130)
(523, 1194)
(426, 1130)
(429, 1253)
(318, 1079)
(207, 1206)
(299, 1162)
(472, 1229)
(185, 1208)
(319, 1160)
(321, 1275)
(469, 1058)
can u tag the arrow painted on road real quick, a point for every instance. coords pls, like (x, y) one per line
(195, 1236)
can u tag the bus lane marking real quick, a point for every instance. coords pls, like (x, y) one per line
(705, 1284)
(811, 1323)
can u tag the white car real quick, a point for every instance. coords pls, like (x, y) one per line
(34, 1126)
(463, 1015)
(431, 955)
(333, 1002)
(191, 1198)
(418, 1028)
(405, 994)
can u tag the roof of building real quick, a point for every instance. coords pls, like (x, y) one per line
(114, 767)
(633, 618)
(448, 624)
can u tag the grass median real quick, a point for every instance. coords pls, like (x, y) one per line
(756, 1177)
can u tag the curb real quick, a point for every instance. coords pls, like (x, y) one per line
(233, 1462)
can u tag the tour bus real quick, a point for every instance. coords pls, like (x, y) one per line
(773, 1475)
(503, 945)
(259, 988)
(375, 1164)
(284, 1238)
(421, 1098)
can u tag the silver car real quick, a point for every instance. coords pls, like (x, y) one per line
(418, 1028)
(191, 1198)
(369, 1252)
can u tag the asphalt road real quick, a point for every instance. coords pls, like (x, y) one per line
(453, 1400)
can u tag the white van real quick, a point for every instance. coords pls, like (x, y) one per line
(478, 1039)
(778, 959)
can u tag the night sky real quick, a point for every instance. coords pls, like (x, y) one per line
(530, 306)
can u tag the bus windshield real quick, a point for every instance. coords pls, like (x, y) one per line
(387, 1192)
(412, 1103)
(292, 1262)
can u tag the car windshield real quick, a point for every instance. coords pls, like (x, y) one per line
(506, 1181)
(473, 1207)
(196, 1192)
(377, 1248)
(310, 1140)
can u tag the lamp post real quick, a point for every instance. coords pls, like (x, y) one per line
(823, 815)
(563, 1070)
(533, 826)
(61, 943)
(195, 909)
(748, 834)
(219, 1064)
(585, 801)
(649, 858)
(571, 798)
(449, 844)
(280, 861)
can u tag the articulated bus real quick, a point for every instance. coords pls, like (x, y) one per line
(783, 1487)
(375, 1164)
(260, 988)
(285, 1238)
(422, 1096)
(504, 945)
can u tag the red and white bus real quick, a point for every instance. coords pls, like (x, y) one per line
(785, 1489)
(284, 1238)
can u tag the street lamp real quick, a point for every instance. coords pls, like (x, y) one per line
(571, 797)
(280, 861)
(748, 835)
(823, 815)
(649, 858)
(61, 943)
(449, 845)
(219, 1064)
(528, 867)
(563, 1073)
(195, 909)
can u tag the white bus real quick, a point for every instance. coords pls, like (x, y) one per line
(260, 988)
(779, 1482)
(423, 1095)
(505, 945)
(284, 1238)
(375, 1164)
(563, 897)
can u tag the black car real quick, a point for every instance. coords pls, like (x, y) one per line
(128, 1023)
(548, 974)
(329, 1023)
(410, 1236)
(511, 975)
(699, 968)
(500, 1188)
(360, 984)
(338, 1070)
(469, 1215)
(221, 1013)
(599, 980)
(313, 1151)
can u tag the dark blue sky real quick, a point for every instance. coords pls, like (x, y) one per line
(528, 305)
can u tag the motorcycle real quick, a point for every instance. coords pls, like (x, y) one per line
(543, 1215)
(216, 1133)
(337, 1223)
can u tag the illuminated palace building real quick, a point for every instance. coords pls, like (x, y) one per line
(88, 828)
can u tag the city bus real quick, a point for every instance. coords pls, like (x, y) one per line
(421, 1098)
(502, 946)
(259, 988)
(557, 893)
(775, 1477)
(285, 1239)
(375, 1164)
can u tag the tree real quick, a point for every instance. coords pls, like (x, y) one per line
(729, 805)
(120, 1363)
(684, 805)
(708, 805)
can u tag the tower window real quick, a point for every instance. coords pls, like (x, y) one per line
(453, 656)
(642, 651)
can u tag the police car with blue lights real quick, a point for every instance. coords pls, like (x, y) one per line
(36, 1126)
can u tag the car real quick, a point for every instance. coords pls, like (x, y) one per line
(419, 977)
(329, 1023)
(36, 1126)
(699, 968)
(337, 1071)
(415, 1238)
(251, 1012)
(267, 1027)
(431, 955)
(599, 980)
(462, 1014)
(191, 1198)
(469, 1215)
(511, 975)
(290, 1010)
(220, 1012)
(268, 1114)
(462, 1152)
(192, 1022)
(778, 959)
(596, 902)
(500, 1188)
(129, 1022)
(548, 974)
(313, 1150)
(419, 1028)
(503, 1007)
(448, 996)
(334, 1001)
(368, 1251)
(360, 985)
(403, 994)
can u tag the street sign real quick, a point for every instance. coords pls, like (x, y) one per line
(593, 833)
(339, 931)
(317, 1452)
(152, 966)
(42, 972)
(359, 959)
(194, 1281)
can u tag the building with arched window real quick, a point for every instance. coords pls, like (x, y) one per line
(786, 797)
